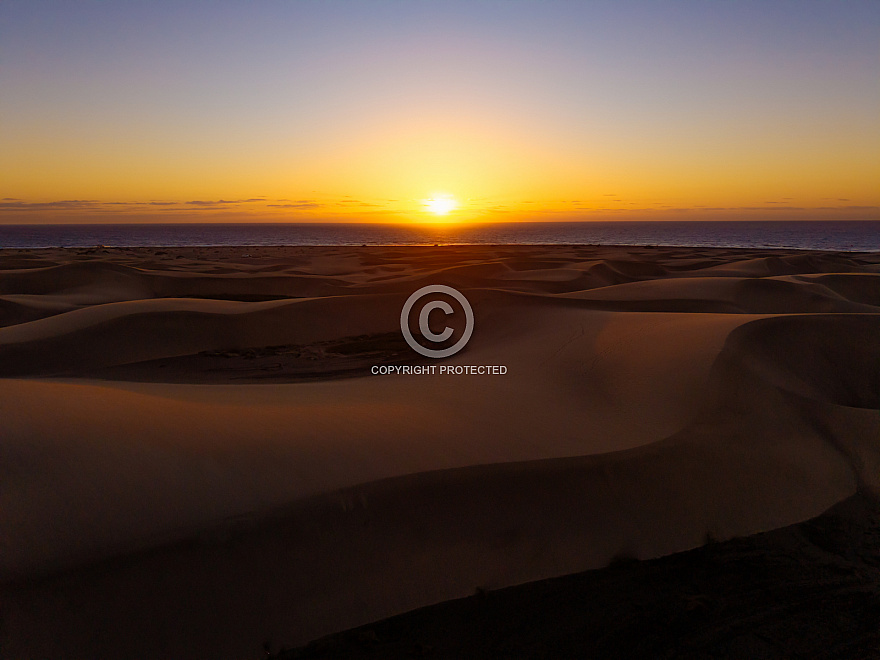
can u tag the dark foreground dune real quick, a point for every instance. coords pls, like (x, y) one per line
(196, 461)
(809, 590)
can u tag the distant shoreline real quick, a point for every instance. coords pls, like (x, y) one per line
(837, 235)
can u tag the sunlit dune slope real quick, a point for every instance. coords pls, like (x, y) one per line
(197, 425)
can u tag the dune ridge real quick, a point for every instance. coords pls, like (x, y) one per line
(656, 398)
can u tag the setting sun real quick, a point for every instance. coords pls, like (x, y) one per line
(450, 112)
(441, 204)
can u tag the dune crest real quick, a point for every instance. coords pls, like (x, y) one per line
(177, 428)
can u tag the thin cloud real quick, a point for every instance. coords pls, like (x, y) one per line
(62, 205)
(304, 204)
(764, 208)
(177, 209)
(849, 208)
(199, 202)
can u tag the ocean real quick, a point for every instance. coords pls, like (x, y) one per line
(843, 235)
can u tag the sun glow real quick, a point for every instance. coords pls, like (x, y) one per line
(440, 204)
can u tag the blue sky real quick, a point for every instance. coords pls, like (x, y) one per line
(668, 104)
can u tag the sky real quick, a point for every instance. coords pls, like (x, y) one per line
(420, 111)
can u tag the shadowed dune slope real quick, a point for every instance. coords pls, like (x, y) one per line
(655, 399)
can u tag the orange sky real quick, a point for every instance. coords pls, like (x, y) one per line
(346, 111)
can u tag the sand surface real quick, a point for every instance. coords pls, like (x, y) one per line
(195, 459)
(809, 590)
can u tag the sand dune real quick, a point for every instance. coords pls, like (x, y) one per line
(195, 452)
